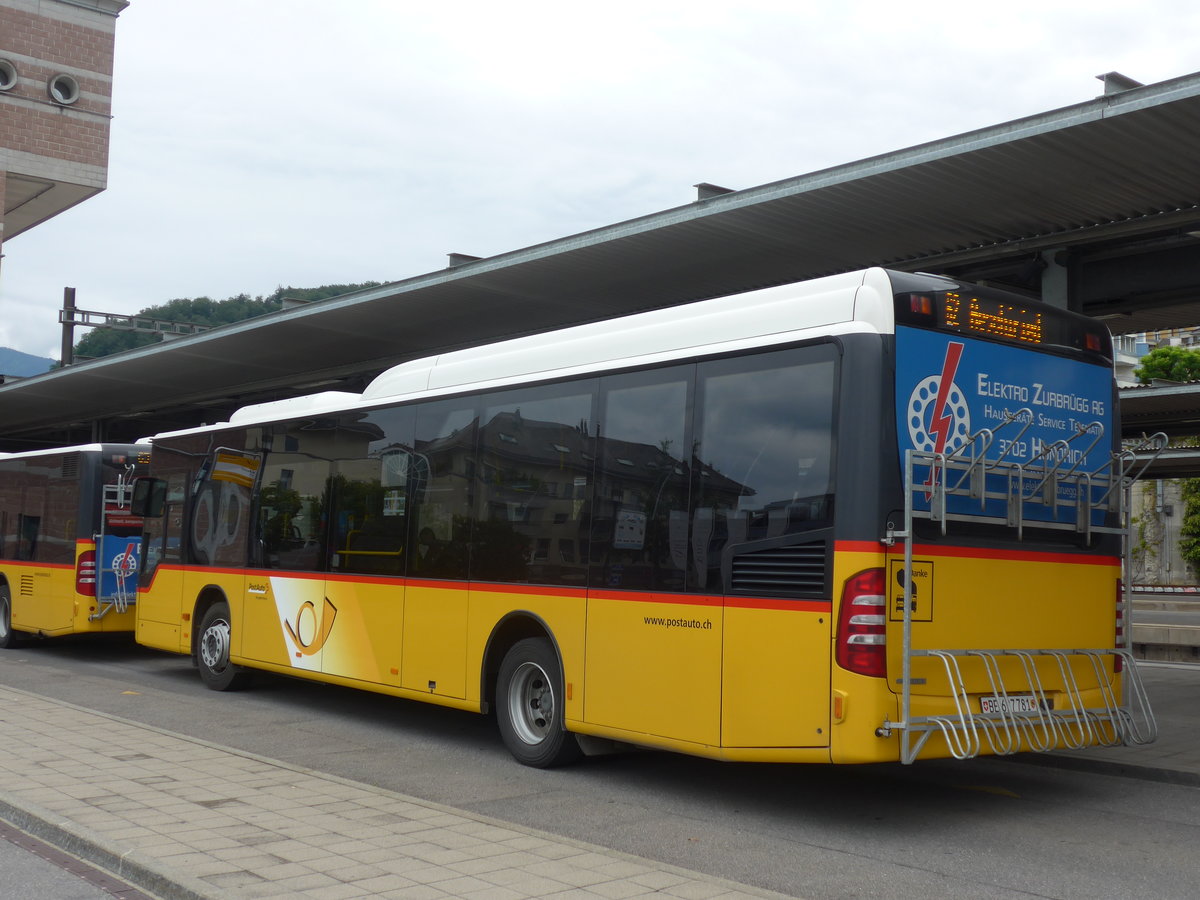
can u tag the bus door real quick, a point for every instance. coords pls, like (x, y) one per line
(286, 615)
(47, 528)
(219, 534)
(762, 538)
(159, 609)
(653, 657)
(368, 510)
(323, 591)
(436, 596)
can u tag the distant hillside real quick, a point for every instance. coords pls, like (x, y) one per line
(14, 362)
(204, 311)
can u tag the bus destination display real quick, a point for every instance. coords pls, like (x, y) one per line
(981, 315)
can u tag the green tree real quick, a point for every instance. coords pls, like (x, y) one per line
(1189, 531)
(205, 311)
(1169, 364)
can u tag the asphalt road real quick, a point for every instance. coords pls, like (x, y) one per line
(984, 828)
(1166, 617)
(31, 869)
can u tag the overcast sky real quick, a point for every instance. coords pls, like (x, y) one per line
(259, 143)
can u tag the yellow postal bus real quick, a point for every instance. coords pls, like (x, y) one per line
(68, 543)
(875, 516)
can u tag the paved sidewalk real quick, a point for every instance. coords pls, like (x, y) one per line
(1174, 757)
(186, 819)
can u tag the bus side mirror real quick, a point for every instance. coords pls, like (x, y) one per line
(149, 497)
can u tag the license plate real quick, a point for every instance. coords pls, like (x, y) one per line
(1013, 703)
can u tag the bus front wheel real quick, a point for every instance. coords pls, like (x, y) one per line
(212, 651)
(8, 636)
(529, 707)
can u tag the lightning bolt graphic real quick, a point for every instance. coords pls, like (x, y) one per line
(940, 421)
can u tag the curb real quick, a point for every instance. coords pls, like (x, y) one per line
(133, 866)
(1106, 767)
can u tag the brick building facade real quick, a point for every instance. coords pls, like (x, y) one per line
(56, 66)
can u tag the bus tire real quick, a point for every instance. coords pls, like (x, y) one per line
(212, 651)
(529, 707)
(9, 637)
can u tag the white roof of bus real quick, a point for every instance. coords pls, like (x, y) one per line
(839, 304)
(310, 404)
(275, 411)
(78, 448)
(857, 301)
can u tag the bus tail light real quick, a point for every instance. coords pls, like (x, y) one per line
(921, 304)
(862, 624)
(85, 574)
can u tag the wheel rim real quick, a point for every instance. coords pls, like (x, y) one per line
(214, 646)
(531, 703)
(5, 614)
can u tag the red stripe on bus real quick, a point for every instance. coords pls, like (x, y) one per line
(537, 590)
(716, 602)
(1040, 556)
(768, 603)
(30, 564)
(344, 577)
(651, 597)
(859, 547)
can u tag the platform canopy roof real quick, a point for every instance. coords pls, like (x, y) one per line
(1108, 189)
(1163, 406)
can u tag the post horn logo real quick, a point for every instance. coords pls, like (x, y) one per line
(311, 631)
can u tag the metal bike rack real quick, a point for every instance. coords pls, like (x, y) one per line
(1007, 491)
(114, 496)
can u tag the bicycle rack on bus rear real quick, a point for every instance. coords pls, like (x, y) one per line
(122, 566)
(1023, 717)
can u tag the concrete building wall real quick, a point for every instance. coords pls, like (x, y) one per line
(1157, 509)
(56, 106)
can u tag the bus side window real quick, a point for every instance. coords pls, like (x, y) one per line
(61, 523)
(163, 533)
(764, 454)
(640, 527)
(294, 481)
(28, 528)
(535, 462)
(371, 489)
(445, 437)
(221, 508)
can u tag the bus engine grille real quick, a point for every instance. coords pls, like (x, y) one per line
(797, 570)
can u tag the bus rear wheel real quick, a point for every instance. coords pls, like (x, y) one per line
(8, 636)
(529, 706)
(212, 651)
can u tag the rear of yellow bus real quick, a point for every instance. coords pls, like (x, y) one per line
(68, 562)
(985, 615)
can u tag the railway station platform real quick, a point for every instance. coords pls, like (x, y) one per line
(184, 819)
(1173, 637)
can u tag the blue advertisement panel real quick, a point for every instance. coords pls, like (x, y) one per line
(118, 565)
(948, 387)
